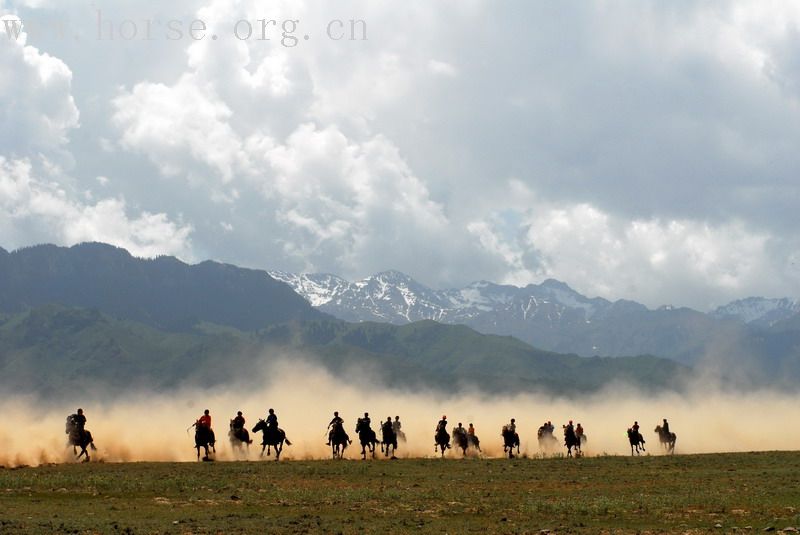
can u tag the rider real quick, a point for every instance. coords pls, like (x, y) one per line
(204, 422)
(238, 422)
(388, 427)
(460, 430)
(76, 423)
(550, 427)
(337, 420)
(442, 427)
(366, 421)
(635, 428)
(665, 428)
(396, 425)
(512, 426)
(471, 430)
(272, 419)
(442, 424)
(579, 431)
(238, 428)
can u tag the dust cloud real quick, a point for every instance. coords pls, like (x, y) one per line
(153, 427)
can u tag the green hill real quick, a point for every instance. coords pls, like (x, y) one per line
(52, 350)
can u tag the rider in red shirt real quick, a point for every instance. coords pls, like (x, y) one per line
(205, 420)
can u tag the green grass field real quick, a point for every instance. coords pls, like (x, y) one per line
(687, 493)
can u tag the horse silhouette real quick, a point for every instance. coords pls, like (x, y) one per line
(271, 437)
(339, 440)
(366, 435)
(204, 438)
(442, 439)
(388, 440)
(667, 440)
(510, 441)
(572, 441)
(637, 441)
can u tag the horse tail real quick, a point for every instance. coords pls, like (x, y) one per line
(288, 442)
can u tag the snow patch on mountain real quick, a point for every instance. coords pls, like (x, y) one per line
(759, 310)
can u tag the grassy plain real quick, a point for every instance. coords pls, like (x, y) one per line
(687, 493)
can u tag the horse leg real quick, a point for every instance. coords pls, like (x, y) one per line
(278, 449)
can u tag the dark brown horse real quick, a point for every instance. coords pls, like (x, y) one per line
(442, 439)
(667, 439)
(204, 438)
(637, 441)
(271, 437)
(510, 441)
(339, 440)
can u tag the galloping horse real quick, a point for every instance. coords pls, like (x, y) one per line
(80, 439)
(271, 437)
(366, 435)
(460, 439)
(667, 439)
(239, 437)
(510, 441)
(442, 439)
(547, 442)
(339, 440)
(636, 440)
(389, 440)
(474, 441)
(571, 440)
(203, 438)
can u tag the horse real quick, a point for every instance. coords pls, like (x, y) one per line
(547, 442)
(271, 437)
(204, 438)
(339, 440)
(460, 439)
(667, 439)
(442, 439)
(636, 440)
(366, 435)
(82, 439)
(510, 441)
(474, 441)
(389, 440)
(571, 440)
(239, 436)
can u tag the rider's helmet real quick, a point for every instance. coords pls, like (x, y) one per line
(366, 415)
(205, 411)
(513, 420)
(80, 411)
(336, 413)
(444, 417)
(459, 424)
(271, 411)
(396, 417)
(239, 413)
(570, 422)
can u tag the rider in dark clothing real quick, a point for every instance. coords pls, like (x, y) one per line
(665, 428)
(442, 424)
(238, 422)
(336, 421)
(366, 421)
(272, 419)
(79, 420)
(388, 428)
(76, 423)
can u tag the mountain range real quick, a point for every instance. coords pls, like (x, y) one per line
(554, 317)
(93, 318)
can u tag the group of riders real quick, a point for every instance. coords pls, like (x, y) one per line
(391, 432)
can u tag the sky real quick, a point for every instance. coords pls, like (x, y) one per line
(643, 150)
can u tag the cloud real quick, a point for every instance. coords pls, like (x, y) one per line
(38, 108)
(659, 141)
(657, 261)
(34, 210)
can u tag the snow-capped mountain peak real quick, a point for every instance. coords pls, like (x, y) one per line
(759, 310)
